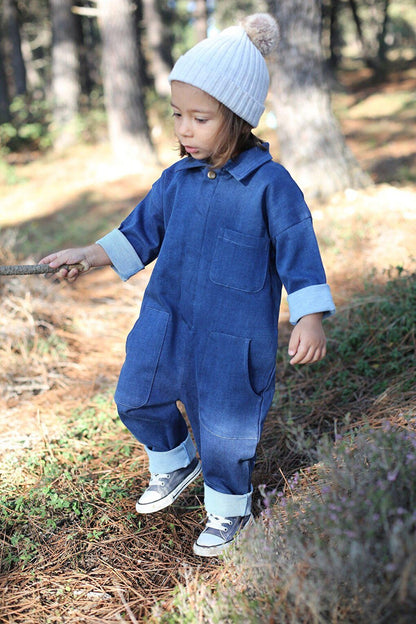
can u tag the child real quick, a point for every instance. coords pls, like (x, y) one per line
(228, 226)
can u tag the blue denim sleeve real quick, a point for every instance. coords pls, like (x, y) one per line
(144, 227)
(122, 254)
(299, 265)
(298, 259)
(138, 239)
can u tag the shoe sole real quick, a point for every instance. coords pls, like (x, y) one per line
(215, 551)
(170, 498)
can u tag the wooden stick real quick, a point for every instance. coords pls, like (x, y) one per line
(36, 269)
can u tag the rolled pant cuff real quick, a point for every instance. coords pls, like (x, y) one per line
(168, 461)
(227, 505)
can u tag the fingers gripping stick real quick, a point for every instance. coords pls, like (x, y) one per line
(36, 269)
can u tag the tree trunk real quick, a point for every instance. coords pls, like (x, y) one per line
(382, 34)
(156, 36)
(367, 53)
(85, 82)
(127, 123)
(65, 72)
(334, 34)
(200, 14)
(4, 92)
(311, 144)
(14, 48)
(35, 71)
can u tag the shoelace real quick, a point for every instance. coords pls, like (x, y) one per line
(217, 523)
(158, 479)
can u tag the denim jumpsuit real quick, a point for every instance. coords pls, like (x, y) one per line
(225, 242)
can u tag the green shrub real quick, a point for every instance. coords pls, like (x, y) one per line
(29, 126)
(371, 347)
(338, 546)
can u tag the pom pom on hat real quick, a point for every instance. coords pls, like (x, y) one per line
(262, 30)
(230, 66)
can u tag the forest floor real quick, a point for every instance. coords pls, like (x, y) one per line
(63, 345)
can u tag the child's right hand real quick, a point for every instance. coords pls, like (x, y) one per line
(88, 257)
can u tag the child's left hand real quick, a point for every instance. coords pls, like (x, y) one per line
(307, 343)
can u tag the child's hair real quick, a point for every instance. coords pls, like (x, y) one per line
(234, 137)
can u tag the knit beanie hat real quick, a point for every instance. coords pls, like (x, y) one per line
(230, 66)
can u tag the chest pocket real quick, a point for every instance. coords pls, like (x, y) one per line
(240, 261)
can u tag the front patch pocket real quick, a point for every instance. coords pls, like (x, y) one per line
(230, 406)
(240, 261)
(143, 348)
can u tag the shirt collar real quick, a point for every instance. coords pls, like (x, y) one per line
(248, 161)
(245, 163)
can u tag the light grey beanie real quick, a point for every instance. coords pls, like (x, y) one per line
(230, 66)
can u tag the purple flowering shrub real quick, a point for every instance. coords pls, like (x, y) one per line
(339, 543)
(336, 546)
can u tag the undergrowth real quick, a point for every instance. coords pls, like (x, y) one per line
(336, 543)
(62, 483)
(35, 331)
(70, 540)
(369, 366)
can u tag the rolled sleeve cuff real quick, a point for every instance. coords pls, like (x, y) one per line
(310, 300)
(122, 254)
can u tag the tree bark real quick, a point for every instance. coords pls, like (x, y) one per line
(382, 34)
(311, 144)
(14, 51)
(156, 37)
(4, 92)
(65, 72)
(85, 82)
(367, 52)
(127, 123)
(334, 33)
(200, 15)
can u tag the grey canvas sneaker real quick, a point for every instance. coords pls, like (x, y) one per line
(220, 533)
(165, 488)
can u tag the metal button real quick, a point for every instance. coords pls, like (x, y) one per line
(212, 175)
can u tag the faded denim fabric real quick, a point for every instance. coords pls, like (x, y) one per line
(207, 331)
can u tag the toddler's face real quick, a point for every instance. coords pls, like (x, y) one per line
(197, 119)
